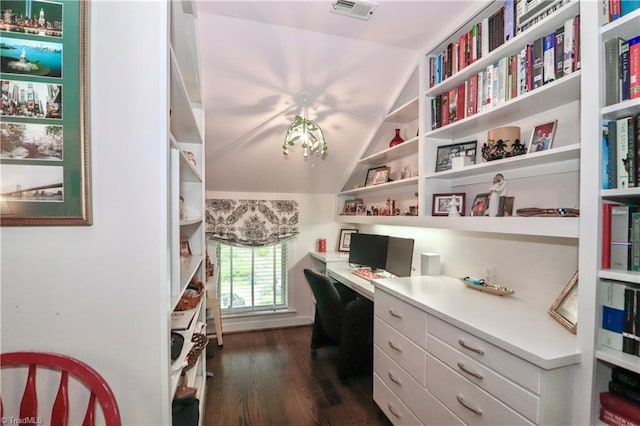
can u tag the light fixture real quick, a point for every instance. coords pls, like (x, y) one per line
(305, 130)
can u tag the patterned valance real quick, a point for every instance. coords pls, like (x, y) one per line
(252, 223)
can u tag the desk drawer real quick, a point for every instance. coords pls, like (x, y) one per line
(516, 369)
(466, 400)
(408, 320)
(390, 404)
(401, 350)
(426, 408)
(516, 397)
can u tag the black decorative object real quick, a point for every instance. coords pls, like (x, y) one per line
(503, 142)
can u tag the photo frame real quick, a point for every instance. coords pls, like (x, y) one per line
(351, 206)
(442, 201)
(376, 175)
(446, 153)
(344, 242)
(565, 308)
(361, 210)
(480, 204)
(44, 181)
(542, 136)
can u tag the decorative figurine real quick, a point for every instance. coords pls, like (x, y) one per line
(497, 190)
(453, 207)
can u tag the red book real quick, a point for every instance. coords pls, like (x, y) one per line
(472, 95)
(576, 43)
(606, 235)
(615, 10)
(620, 405)
(462, 44)
(444, 109)
(634, 68)
(461, 102)
(615, 419)
(453, 105)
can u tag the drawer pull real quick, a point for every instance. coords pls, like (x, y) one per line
(394, 379)
(471, 348)
(394, 347)
(467, 406)
(393, 411)
(469, 372)
(394, 314)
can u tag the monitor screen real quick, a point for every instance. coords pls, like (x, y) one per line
(399, 256)
(368, 250)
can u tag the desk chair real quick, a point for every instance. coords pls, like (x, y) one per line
(342, 319)
(96, 386)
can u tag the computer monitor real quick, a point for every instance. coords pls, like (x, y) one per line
(399, 256)
(368, 250)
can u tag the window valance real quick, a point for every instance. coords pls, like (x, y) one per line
(251, 223)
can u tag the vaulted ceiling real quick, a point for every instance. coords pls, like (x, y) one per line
(257, 56)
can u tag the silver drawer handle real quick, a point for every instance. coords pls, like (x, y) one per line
(393, 411)
(471, 348)
(467, 406)
(394, 314)
(469, 372)
(394, 379)
(394, 347)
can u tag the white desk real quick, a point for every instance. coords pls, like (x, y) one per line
(341, 272)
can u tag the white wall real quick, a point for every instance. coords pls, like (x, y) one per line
(96, 293)
(316, 220)
(536, 268)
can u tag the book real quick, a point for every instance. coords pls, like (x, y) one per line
(629, 341)
(444, 109)
(549, 58)
(606, 167)
(538, 63)
(488, 81)
(624, 391)
(612, 296)
(634, 68)
(181, 320)
(576, 43)
(613, 418)
(606, 234)
(636, 133)
(632, 159)
(626, 377)
(453, 105)
(628, 6)
(613, 153)
(509, 19)
(559, 33)
(622, 148)
(472, 95)
(461, 98)
(620, 405)
(522, 71)
(614, 10)
(612, 71)
(620, 229)
(623, 60)
(635, 243)
(567, 63)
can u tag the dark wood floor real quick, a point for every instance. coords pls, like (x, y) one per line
(270, 378)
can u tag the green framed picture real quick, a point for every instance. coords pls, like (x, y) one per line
(44, 155)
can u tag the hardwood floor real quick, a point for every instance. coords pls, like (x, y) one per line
(270, 378)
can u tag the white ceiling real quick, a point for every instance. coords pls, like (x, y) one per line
(258, 55)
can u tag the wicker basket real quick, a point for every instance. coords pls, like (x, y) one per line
(191, 296)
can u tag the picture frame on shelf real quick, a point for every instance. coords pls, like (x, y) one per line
(371, 174)
(350, 206)
(505, 206)
(446, 153)
(344, 242)
(565, 308)
(542, 136)
(361, 210)
(57, 193)
(381, 176)
(442, 202)
(480, 204)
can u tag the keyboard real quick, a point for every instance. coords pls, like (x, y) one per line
(366, 274)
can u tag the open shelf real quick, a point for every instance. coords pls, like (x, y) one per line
(389, 187)
(407, 147)
(405, 113)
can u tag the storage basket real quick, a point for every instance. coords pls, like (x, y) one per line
(191, 296)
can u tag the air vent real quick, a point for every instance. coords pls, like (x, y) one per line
(355, 9)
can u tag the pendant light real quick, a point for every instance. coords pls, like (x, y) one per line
(307, 131)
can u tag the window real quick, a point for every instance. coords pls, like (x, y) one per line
(252, 279)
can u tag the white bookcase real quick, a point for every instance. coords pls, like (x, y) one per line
(186, 159)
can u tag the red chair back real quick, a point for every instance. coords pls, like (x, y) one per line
(98, 389)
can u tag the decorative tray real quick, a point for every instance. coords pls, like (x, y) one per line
(489, 288)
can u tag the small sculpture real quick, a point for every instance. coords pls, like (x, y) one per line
(497, 190)
(453, 207)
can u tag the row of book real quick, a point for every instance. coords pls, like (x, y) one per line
(545, 60)
(621, 153)
(620, 237)
(485, 36)
(620, 328)
(620, 405)
(615, 9)
(622, 69)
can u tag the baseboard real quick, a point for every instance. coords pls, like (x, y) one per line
(232, 325)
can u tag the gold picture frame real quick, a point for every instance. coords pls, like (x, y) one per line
(565, 308)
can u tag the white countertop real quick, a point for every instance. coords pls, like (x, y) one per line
(523, 328)
(341, 272)
(330, 256)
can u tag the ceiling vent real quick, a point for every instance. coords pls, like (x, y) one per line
(355, 9)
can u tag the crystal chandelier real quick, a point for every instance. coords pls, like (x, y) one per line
(308, 132)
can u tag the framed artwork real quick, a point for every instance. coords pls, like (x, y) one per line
(442, 203)
(44, 158)
(377, 175)
(344, 242)
(361, 210)
(542, 136)
(446, 153)
(505, 206)
(351, 206)
(565, 308)
(480, 204)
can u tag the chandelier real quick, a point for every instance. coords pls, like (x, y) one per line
(308, 132)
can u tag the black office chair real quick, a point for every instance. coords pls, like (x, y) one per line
(342, 319)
